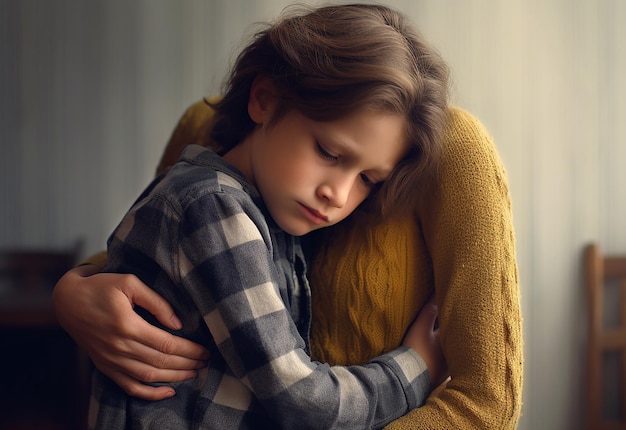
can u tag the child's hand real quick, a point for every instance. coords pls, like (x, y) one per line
(423, 337)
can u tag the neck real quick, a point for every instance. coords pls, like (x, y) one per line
(239, 157)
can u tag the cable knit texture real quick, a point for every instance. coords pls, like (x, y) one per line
(369, 282)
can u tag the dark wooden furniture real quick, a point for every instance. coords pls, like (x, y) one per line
(44, 374)
(606, 355)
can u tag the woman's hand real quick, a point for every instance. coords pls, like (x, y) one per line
(96, 309)
(423, 337)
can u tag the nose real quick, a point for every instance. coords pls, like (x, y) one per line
(336, 190)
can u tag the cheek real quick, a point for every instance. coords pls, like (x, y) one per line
(357, 196)
(281, 170)
(359, 192)
(298, 172)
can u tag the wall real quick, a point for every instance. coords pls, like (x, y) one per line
(92, 90)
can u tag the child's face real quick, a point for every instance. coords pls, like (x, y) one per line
(314, 174)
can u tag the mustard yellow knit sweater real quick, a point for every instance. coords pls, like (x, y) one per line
(369, 283)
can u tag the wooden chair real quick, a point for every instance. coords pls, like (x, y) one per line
(44, 374)
(605, 280)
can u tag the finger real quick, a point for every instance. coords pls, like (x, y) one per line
(168, 344)
(135, 388)
(159, 360)
(151, 301)
(166, 375)
(142, 372)
(135, 328)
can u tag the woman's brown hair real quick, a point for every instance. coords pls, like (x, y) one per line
(333, 61)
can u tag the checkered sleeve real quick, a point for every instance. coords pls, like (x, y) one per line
(224, 243)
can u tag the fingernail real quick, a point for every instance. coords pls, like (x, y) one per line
(176, 322)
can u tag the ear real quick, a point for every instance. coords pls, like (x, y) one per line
(262, 100)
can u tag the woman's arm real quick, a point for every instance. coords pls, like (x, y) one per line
(468, 226)
(97, 311)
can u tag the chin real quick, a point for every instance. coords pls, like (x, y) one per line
(297, 229)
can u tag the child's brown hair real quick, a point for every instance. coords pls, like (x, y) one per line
(332, 61)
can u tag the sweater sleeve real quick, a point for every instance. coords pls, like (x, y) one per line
(468, 227)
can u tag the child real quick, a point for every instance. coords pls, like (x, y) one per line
(322, 111)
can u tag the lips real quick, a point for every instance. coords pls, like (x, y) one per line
(313, 215)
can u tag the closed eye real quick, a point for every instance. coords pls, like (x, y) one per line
(374, 187)
(325, 154)
(367, 181)
(373, 184)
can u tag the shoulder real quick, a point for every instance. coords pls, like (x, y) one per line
(469, 152)
(465, 137)
(202, 182)
(464, 124)
(470, 172)
(201, 171)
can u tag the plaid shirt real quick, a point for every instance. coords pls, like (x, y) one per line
(201, 237)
